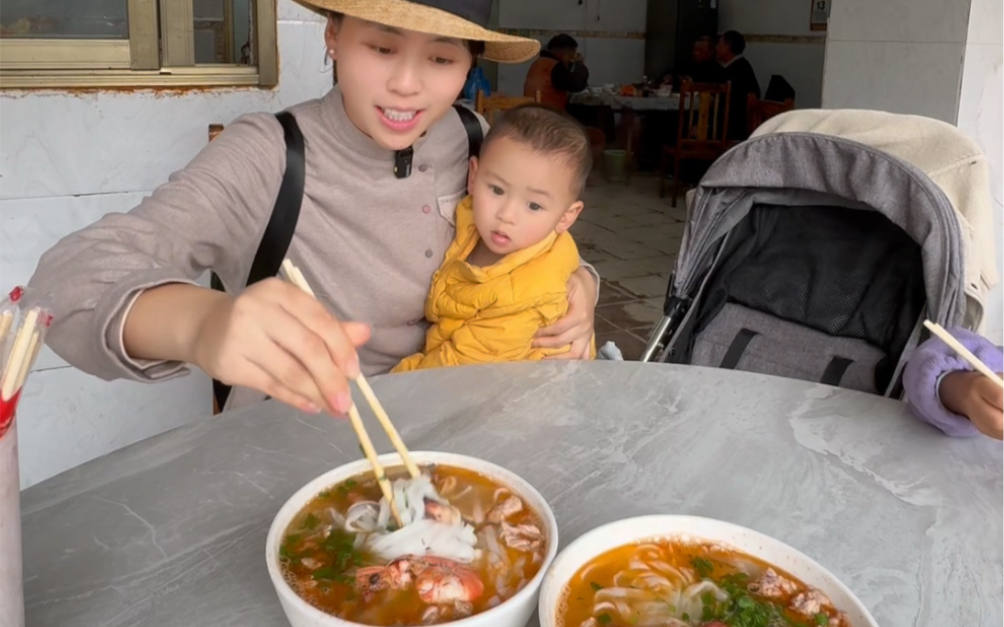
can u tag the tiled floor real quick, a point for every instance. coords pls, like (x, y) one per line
(632, 237)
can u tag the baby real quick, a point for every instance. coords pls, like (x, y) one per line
(505, 275)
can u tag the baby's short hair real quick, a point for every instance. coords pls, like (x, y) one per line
(546, 131)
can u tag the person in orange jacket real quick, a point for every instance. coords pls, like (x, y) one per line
(558, 72)
(506, 273)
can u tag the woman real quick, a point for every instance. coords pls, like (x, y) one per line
(127, 306)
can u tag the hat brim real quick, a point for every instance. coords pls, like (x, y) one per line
(424, 19)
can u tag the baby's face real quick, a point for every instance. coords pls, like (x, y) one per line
(520, 196)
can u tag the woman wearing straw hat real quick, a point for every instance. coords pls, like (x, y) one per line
(384, 165)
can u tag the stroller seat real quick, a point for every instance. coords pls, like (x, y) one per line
(816, 293)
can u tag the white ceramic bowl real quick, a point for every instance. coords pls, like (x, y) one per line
(615, 534)
(514, 612)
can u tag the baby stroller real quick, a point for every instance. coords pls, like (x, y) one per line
(816, 249)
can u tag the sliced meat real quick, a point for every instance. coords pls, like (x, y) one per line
(521, 537)
(809, 603)
(507, 508)
(771, 585)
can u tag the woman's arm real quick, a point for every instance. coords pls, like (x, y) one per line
(576, 328)
(206, 216)
(126, 305)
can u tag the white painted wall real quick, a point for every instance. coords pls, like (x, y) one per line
(981, 109)
(610, 60)
(903, 56)
(67, 159)
(801, 64)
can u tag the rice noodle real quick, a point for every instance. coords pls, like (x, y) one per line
(418, 535)
(652, 592)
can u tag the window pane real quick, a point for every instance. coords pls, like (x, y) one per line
(64, 19)
(223, 31)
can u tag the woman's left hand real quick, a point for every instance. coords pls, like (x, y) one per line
(576, 328)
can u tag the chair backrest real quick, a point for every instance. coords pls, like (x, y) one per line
(487, 106)
(704, 114)
(758, 111)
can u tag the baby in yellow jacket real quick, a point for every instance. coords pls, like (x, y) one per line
(505, 275)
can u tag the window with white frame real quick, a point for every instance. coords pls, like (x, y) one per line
(137, 43)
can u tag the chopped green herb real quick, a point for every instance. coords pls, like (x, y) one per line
(348, 485)
(703, 566)
(686, 617)
(822, 618)
(325, 573)
(286, 548)
(604, 619)
(595, 586)
(311, 521)
(324, 494)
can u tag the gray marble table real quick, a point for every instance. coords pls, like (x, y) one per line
(171, 531)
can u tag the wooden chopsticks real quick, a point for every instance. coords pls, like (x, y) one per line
(963, 352)
(294, 276)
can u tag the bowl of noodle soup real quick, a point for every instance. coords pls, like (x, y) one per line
(688, 571)
(471, 549)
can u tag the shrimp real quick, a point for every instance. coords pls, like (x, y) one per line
(436, 579)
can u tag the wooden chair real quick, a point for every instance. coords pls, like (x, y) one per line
(758, 111)
(702, 129)
(487, 106)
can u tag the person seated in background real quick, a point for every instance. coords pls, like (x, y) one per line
(702, 67)
(738, 71)
(558, 72)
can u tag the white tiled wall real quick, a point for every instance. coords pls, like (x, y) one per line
(65, 160)
(903, 56)
(981, 109)
(801, 64)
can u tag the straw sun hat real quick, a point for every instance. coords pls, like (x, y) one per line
(463, 19)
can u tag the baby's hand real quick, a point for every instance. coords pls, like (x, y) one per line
(976, 397)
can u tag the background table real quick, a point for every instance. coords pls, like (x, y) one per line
(171, 531)
(637, 103)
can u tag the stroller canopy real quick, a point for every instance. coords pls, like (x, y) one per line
(925, 176)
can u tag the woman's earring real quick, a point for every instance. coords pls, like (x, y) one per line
(331, 53)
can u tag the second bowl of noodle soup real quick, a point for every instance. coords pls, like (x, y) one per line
(688, 571)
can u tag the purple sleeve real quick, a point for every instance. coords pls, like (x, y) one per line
(932, 360)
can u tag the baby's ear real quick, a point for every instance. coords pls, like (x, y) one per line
(569, 217)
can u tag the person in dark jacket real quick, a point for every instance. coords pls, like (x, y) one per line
(703, 68)
(558, 72)
(739, 72)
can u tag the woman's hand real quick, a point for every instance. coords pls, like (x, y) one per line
(976, 397)
(576, 328)
(274, 338)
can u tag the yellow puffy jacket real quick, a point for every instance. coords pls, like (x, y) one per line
(484, 315)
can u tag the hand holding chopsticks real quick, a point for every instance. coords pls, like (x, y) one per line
(294, 276)
(963, 352)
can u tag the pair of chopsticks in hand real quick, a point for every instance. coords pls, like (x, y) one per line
(963, 352)
(294, 276)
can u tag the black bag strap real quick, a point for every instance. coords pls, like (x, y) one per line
(473, 127)
(281, 224)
